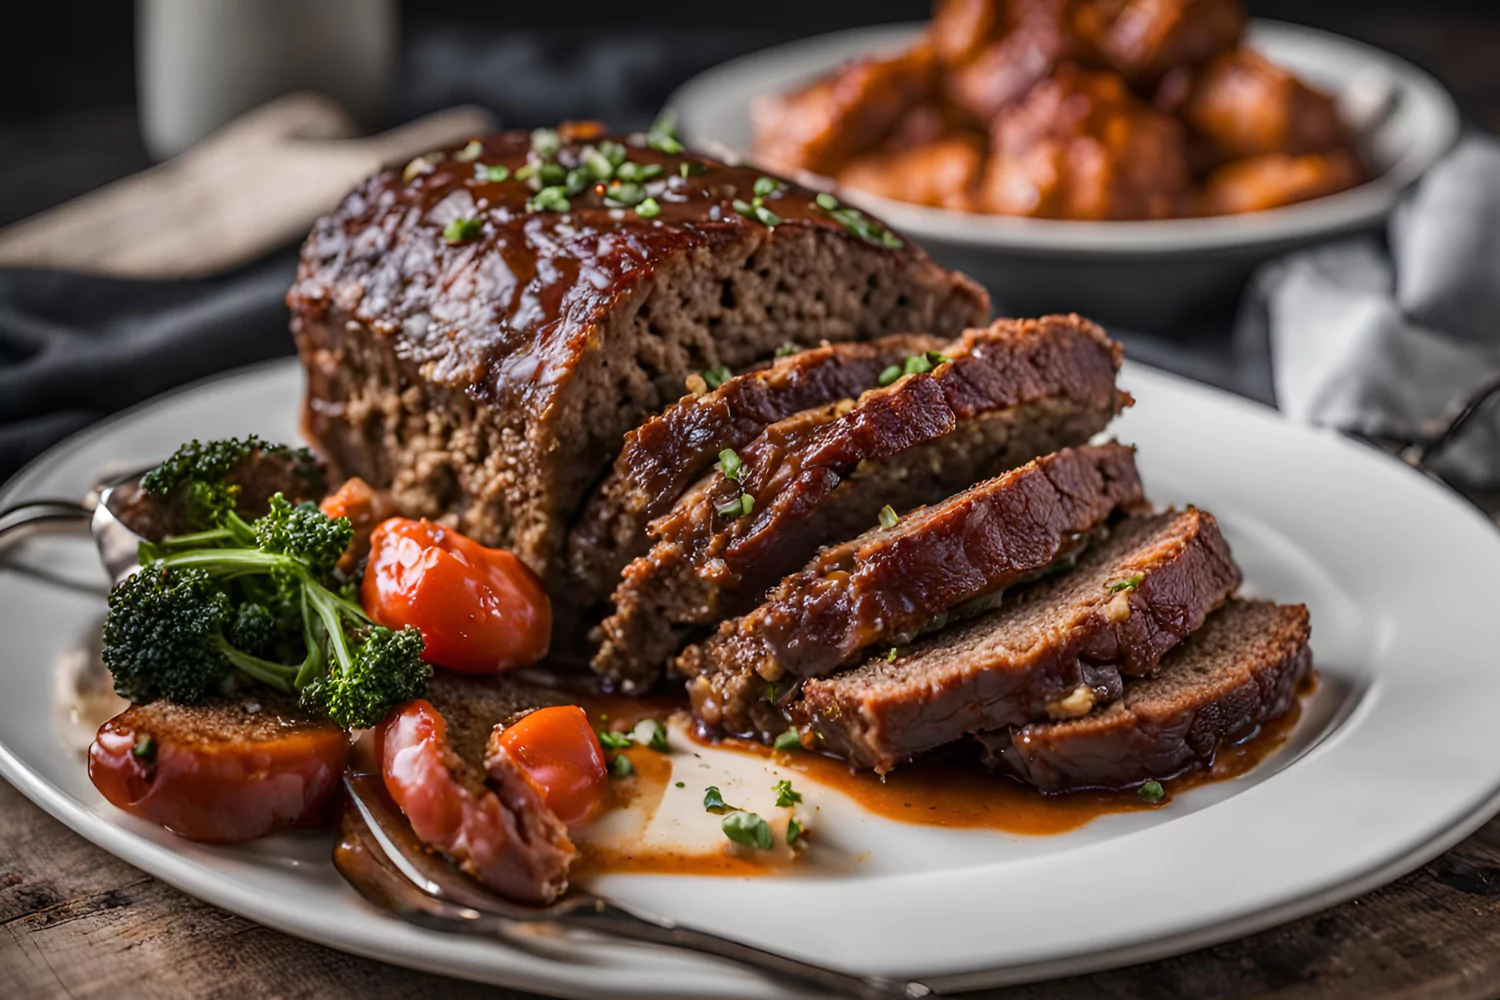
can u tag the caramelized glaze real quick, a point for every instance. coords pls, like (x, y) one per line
(526, 290)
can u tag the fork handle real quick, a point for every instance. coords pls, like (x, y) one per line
(619, 921)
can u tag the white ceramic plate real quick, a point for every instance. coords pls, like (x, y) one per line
(714, 110)
(1396, 758)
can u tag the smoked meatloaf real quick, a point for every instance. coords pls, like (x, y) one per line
(481, 329)
(1239, 670)
(885, 587)
(662, 457)
(991, 400)
(1054, 650)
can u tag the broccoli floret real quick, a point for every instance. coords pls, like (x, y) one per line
(239, 600)
(387, 669)
(162, 635)
(255, 629)
(200, 472)
(305, 533)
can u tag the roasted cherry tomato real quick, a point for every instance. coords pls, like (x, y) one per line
(479, 609)
(558, 748)
(218, 781)
(499, 831)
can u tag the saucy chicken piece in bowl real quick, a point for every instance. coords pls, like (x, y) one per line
(1069, 109)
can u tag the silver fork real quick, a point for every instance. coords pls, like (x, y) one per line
(426, 890)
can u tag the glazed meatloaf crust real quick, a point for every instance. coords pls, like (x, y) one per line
(1055, 650)
(665, 454)
(893, 583)
(993, 399)
(1240, 670)
(481, 329)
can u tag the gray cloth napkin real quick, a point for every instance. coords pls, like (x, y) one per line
(1385, 341)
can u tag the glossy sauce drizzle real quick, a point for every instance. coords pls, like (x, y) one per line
(941, 793)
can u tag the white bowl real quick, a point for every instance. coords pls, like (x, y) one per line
(1147, 274)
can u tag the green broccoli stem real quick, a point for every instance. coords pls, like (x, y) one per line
(277, 675)
(196, 539)
(331, 610)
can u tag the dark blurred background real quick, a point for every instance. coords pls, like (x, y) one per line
(77, 346)
(68, 75)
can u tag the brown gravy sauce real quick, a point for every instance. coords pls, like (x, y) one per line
(951, 794)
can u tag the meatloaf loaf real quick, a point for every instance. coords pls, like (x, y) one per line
(666, 453)
(1240, 670)
(1054, 651)
(895, 582)
(993, 399)
(481, 329)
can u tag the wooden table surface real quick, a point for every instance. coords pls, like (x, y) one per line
(79, 923)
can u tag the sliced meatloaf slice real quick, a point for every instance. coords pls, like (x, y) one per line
(1241, 669)
(1056, 650)
(996, 398)
(893, 583)
(663, 456)
(481, 329)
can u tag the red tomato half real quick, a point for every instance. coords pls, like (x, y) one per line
(557, 747)
(479, 609)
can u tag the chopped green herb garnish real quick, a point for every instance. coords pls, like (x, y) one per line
(785, 794)
(770, 693)
(889, 375)
(888, 516)
(759, 213)
(1151, 792)
(545, 142)
(549, 199)
(916, 365)
(716, 377)
(787, 740)
(497, 174)
(596, 163)
(891, 656)
(613, 152)
(854, 221)
(463, 229)
(576, 181)
(680, 784)
(657, 740)
(144, 749)
(730, 465)
(787, 350)
(794, 832)
(526, 172)
(641, 172)
(765, 187)
(614, 740)
(663, 134)
(740, 506)
(691, 168)
(621, 767)
(551, 173)
(748, 830)
(648, 209)
(625, 193)
(713, 801)
(1129, 583)
(473, 151)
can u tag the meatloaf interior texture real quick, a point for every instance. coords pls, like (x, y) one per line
(1055, 650)
(891, 584)
(667, 452)
(481, 348)
(991, 400)
(1240, 670)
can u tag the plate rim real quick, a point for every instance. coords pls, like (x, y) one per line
(192, 878)
(1330, 215)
